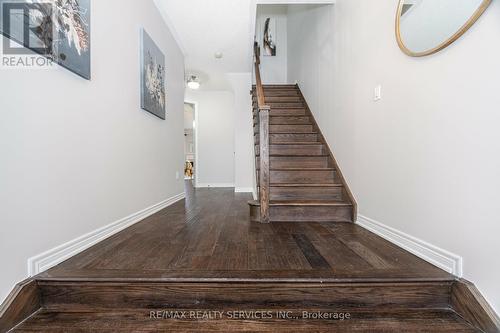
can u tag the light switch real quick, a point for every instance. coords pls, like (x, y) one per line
(377, 93)
(177, 175)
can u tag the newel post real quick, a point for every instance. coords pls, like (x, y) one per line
(264, 163)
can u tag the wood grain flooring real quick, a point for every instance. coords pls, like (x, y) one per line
(209, 237)
(204, 255)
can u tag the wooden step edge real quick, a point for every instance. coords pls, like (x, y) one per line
(23, 302)
(360, 320)
(294, 97)
(285, 124)
(293, 106)
(289, 133)
(307, 185)
(229, 277)
(468, 302)
(287, 107)
(279, 85)
(310, 185)
(300, 169)
(282, 124)
(301, 155)
(288, 155)
(297, 133)
(300, 113)
(298, 143)
(309, 203)
(285, 116)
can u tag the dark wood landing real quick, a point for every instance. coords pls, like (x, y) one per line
(210, 236)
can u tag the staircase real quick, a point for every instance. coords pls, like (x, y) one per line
(305, 183)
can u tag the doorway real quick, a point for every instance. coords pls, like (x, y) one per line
(190, 146)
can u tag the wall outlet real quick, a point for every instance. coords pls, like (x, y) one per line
(377, 93)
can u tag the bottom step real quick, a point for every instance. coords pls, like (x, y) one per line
(305, 211)
(234, 320)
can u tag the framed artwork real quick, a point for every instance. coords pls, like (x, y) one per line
(153, 95)
(56, 29)
(269, 37)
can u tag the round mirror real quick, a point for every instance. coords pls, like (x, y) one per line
(425, 27)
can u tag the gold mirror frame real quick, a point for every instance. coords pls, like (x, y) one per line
(470, 22)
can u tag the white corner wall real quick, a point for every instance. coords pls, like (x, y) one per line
(273, 69)
(215, 122)
(244, 149)
(77, 155)
(424, 160)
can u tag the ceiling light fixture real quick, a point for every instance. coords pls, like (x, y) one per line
(193, 82)
(219, 55)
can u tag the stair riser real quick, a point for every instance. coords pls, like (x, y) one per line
(289, 138)
(287, 129)
(144, 296)
(285, 105)
(285, 112)
(287, 121)
(306, 193)
(302, 177)
(294, 150)
(276, 93)
(311, 214)
(278, 99)
(304, 213)
(271, 87)
(297, 162)
(290, 121)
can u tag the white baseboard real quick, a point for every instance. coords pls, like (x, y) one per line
(243, 189)
(443, 259)
(214, 185)
(55, 256)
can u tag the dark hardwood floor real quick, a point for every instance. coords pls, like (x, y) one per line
(203, 256)
(210, 237)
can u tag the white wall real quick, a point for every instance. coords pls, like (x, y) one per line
(424, 159)
(244, 158)
(76, 155)
(273, 69)
(215, 137)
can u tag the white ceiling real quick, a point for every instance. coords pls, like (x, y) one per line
(204, 27)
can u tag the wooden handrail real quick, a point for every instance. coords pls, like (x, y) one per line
(258, 81)
(263, 116)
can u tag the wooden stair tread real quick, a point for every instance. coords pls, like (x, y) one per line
(309, 203)
(286, 116)
(291, 133)
(288, 107)
(297, 143)
(284, 124)
(301, 155)
(306, 185)
(300, 169)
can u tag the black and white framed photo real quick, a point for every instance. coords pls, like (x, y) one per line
(269, 36)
